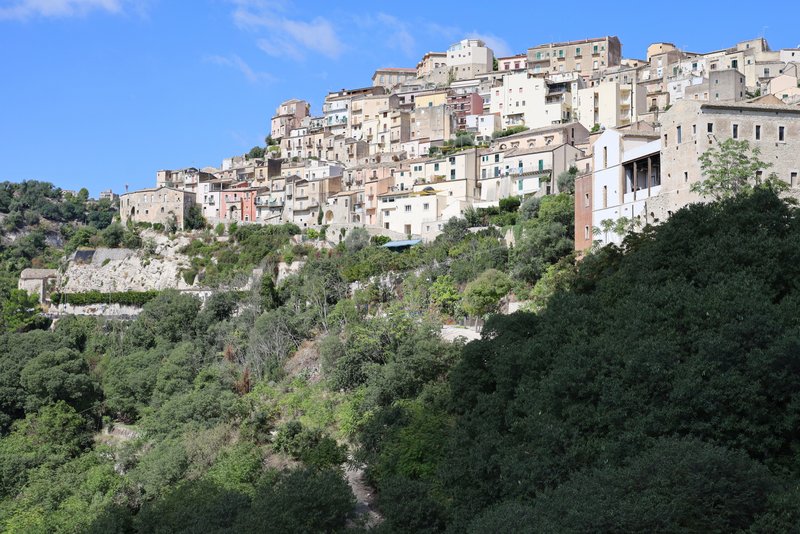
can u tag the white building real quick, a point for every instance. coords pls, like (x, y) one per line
(527, 100)
(627, 172)
(468, 58)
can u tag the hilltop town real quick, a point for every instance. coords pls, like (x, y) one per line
(428, 307)
(465, 128)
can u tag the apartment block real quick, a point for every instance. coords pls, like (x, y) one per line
(607, 104)
(523, 171)
(532, 101)
(468, 58)
(288, 116)
(584, 57)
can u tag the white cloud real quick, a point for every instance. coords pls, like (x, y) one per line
(497, 44)
(239, 64)
(398, 34)
(288, 37)
(450, 33)
(25, 9)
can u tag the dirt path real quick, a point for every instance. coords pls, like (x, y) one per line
(365, 496)
(452, 332)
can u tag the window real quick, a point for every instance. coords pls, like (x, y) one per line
(758, 132)
(665, 140)
(435, 166)
(793, 179)
(736, 131)
(734, 63)
(710, 127)
(605, 156)
(586, 200)
(781, 133)
(685, 176)
(766, 72)
(694, 129)
(426, 206)
(452, 174)
(408, 208)
(586, 233)
(578, 51)
(594, 49)
(679, 134)
(605, 196)
(496, 158)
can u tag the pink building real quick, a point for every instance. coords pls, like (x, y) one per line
(512, 63)
(239, 203)
(463, 105)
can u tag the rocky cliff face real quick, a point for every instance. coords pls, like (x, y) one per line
(110, 270)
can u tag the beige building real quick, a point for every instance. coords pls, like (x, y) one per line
(585, 56)
(523, 171)
(532, 101)
(468, 58)
(390, 78)
(187, 179)
(786, 87)
(689, 128)
(39, 282)
(432, 123)
(288, 116)
(156, 205)
(607, 104)
(720, 86)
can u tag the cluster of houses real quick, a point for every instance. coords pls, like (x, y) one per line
(466, 128)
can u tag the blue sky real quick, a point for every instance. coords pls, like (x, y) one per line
(102, 93)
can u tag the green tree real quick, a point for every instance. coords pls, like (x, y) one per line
(445, 295)
(301, 501)
(356, 239)
(540, 245)
(256, 152)
(49, 437)
(566, 180)
(733, 167)
(482, 296)
(194, 218)
(20, 311)
(112, 235)
(529, 209)
(61, 375)
(510, 204)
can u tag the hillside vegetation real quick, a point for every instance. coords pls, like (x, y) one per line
(655, 388)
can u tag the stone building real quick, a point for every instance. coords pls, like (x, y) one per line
(156, 205)
(38, 282)
(690, 128)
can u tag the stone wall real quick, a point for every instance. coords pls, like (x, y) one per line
(112, 270)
